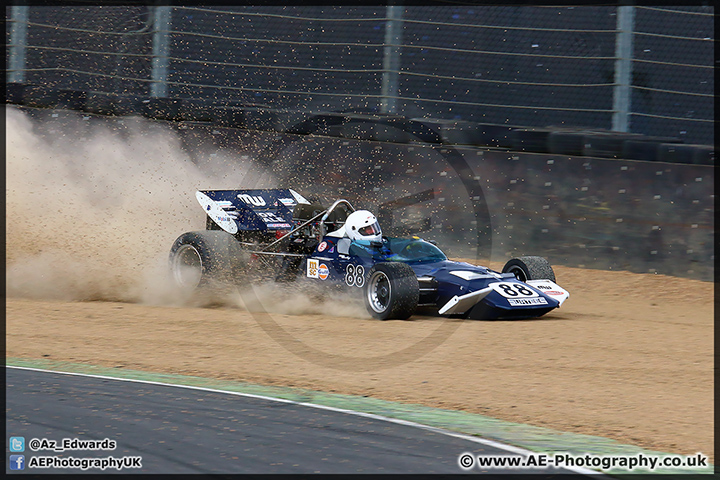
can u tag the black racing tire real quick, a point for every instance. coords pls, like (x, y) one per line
(391, 291)
(205, 258)
(530, 268)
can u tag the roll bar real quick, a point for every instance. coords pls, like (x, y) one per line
(325, 214)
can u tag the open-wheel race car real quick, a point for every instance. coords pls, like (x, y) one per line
(277, 233)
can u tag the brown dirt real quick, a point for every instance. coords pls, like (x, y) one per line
(628, 356)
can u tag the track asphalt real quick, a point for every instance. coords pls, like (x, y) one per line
(215, 426)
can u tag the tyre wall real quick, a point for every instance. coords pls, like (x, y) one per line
(639, 216)
(586, 211)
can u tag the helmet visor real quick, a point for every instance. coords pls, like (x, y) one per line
(373, 229)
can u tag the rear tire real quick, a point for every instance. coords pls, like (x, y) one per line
(204, 258)
(391, 291)
(530, 268)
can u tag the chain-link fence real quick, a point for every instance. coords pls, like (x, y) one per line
(645, 70)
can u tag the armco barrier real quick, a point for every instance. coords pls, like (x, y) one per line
(639, 216)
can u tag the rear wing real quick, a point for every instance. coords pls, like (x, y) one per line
(250, 210)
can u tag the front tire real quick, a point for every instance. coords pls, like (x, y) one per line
(391, 291)
(530, 268)
(203, 258)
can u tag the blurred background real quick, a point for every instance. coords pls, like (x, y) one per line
(523, 66)
(584, 134)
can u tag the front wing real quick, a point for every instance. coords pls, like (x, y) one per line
(544, 295)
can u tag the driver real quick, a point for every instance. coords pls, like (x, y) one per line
(364, 231)
(363, 228)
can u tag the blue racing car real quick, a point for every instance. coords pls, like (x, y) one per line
(279, 231)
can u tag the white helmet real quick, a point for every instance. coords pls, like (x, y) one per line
(362, 225)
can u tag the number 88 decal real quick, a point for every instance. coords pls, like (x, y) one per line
(509, 290)
(355, 275)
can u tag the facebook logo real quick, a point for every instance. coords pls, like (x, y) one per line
(17, 462)
(17, 444)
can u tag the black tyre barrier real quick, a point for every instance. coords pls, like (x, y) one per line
(566, 142)
(674, 153)
(287, 119)
(603, 145)
(417, 131)
(641, 147)
(494, 135)
(531, 140)
(454, 132)
(247, 118)
(609, 144)
(640, 150)
(373, 128)
(100, 103)
(338, 131)
(39, 96)
(682, 153)
(226, 116)
(387, 132)
(464, 132)
(460, 132)
(127, 105)
(358, 129)
(162, 108)
(389, 128)
(317, 123)
(369, 126)
(195, 110)
(14, 92)
(237, 104)
(255, 118)
(704, 155)
(72, 99)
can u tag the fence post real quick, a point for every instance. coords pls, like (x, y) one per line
(391, 59)
(18, 41)
(623, 68)
(161, 25)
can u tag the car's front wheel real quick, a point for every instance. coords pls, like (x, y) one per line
(391, 291)
(529, 268)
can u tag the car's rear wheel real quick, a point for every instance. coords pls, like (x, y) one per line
(391, 291)
(203, 258)
(529, 268)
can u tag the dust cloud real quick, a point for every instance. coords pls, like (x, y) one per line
(92, 210)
